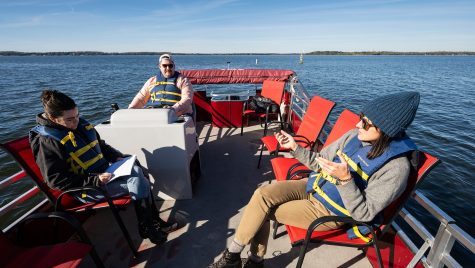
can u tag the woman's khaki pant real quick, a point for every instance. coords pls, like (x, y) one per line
(286, 202)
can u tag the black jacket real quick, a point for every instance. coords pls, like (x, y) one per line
(51, 157)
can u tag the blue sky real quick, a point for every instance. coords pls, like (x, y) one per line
(229, 26)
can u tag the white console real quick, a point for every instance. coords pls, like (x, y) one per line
(165, 145)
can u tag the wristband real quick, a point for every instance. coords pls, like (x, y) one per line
(339, 181)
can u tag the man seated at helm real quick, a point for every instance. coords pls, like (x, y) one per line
(167, 89)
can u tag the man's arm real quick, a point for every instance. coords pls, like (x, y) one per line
(143, 95)
(184, 105)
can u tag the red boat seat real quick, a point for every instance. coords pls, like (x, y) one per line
(63, 254)
(58, 255)
(21, 151)
(273, 90)
(307, 135)
(426, 163)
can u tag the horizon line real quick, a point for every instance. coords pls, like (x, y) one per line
(230, 53)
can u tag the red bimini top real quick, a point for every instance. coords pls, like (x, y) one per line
(236, 76)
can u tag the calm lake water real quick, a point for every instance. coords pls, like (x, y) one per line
(444, 124)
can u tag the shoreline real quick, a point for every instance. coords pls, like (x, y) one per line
(318, 53)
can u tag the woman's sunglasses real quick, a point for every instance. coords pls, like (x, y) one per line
(364, 122)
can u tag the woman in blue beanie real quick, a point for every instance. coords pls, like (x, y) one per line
(358, 176)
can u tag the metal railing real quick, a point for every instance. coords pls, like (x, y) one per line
(23, 197)
(300, 97)
(435, 250)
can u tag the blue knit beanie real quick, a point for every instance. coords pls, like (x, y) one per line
(393, 113)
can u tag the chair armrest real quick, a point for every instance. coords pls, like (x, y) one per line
(344, 219)
(78, 189)
(302, 173)
(324, 219)
(290, 173)
(300, 138)
(64, 216)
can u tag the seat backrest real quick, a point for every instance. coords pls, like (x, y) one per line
(21, 151)
(426, 163)
(315, 117)
(273, 90)
(345, 122)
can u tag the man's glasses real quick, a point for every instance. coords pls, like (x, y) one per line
(364, 122)
(168, 65)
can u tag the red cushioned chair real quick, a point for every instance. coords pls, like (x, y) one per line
(282, 167)
(307, 135)
(426, 162)
(66, 254)
(21, 151)
(273, 90)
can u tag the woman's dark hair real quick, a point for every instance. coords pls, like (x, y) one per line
(379, 146)
(55, 102)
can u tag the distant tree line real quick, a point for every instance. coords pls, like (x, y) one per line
(448, 53)
(98, 53)
(74, 53)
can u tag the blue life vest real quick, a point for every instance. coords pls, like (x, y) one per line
(323, 186)
(164, 91)
(85, 152)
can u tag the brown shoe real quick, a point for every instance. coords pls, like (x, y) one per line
(228, 260)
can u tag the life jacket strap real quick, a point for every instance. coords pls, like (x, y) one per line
(69, 137)
(163, 100)
(86, 148)
(321, 193)
(360, 235)
(164, 83)
(168, 92)
(87, 164)
(354, 166)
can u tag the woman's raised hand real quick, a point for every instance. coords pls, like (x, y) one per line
(286, 140)
(339, 170)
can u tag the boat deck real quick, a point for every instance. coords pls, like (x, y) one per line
(229, 177)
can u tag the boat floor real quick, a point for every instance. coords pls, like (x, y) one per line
(229, 177)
